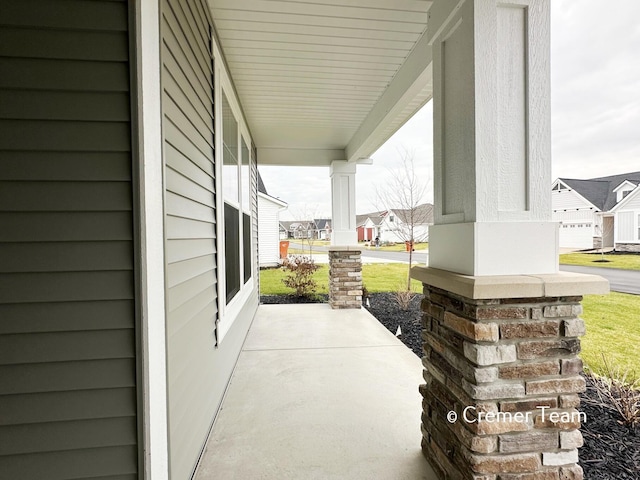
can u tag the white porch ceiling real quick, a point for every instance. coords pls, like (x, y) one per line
(323, 80)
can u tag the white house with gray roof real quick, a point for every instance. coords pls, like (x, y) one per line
(587, 210)
(269, 209)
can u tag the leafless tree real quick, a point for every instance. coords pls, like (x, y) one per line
(308, 214)
(404, 193)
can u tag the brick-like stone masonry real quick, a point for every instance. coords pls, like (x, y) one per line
(345, 279)
(504, 358)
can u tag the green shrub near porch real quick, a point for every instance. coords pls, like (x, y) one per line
(377, 277)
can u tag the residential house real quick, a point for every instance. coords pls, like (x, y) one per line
(322, 228)
(586, 210)
(318, 229)
(129, 141)
(368, 226)
(627, 218)
(394, 225)
(269, 209)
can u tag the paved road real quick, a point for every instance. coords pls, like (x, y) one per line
(419, 257)
(626, 281)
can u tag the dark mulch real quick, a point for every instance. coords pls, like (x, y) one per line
(611, 450)
(282, 299)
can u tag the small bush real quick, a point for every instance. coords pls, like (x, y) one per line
(403, 297)
(300, 275)
(617, 393)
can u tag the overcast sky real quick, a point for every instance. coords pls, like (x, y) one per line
(595, 111)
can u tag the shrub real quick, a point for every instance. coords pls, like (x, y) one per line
(300, 275)
(403, 297)
(617, 393)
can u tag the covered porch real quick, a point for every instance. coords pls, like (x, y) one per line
(319, 393)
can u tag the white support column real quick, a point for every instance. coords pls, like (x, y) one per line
(492, 138)
(343, 203)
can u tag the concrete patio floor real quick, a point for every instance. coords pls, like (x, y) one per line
(319, 394)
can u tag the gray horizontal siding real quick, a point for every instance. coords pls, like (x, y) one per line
(190, 229)
(67, 315)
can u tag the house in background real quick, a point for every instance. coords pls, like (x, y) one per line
(627, 219)
(317, 229)
(393, 225)
(586, 210)
(269, 209)
(322, 228)
(368, 226)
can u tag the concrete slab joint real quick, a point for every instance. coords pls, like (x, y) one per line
(502, 379)
(345, 277)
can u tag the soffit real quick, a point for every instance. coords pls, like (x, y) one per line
(309, 73)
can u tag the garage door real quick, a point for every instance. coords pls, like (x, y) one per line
(576, 235)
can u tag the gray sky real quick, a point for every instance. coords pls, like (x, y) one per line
(595, 105)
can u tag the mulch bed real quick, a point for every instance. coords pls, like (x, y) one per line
(611, 450)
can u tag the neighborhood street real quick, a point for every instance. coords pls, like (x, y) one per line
(625, 281)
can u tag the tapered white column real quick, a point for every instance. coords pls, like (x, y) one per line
(492, 153)
(343, 203)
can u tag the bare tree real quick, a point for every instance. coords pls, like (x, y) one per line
(308, 214)
(403, 194)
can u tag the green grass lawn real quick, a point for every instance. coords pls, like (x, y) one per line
(626, 262)
(304, 251)
(613, 328)
(379, 277)
(400, 247)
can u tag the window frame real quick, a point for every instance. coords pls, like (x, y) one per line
(228, 312)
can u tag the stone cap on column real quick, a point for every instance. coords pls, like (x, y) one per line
(345, 248)
(560, 284)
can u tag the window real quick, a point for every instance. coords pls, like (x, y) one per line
(230, 193)
(236, 192)
(245, 192)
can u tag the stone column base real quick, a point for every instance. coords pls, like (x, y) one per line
(502, 374)
(345, 277)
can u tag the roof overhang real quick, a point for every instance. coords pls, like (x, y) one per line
(274, 200)
(325, 80)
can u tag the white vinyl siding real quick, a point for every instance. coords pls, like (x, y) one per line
(625, 227)
(568, 200)
(190, 229)
(269, 236)
(199, 364)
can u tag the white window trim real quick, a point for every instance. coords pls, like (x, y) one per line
(228, 313)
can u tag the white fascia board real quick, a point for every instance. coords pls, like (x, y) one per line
(626, 200)
(413, 76)
(626, 183)
(277, 201)
(299, 157)
(559, 181)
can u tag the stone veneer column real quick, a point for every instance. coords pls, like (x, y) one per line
(345, 277)
(502, 356)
